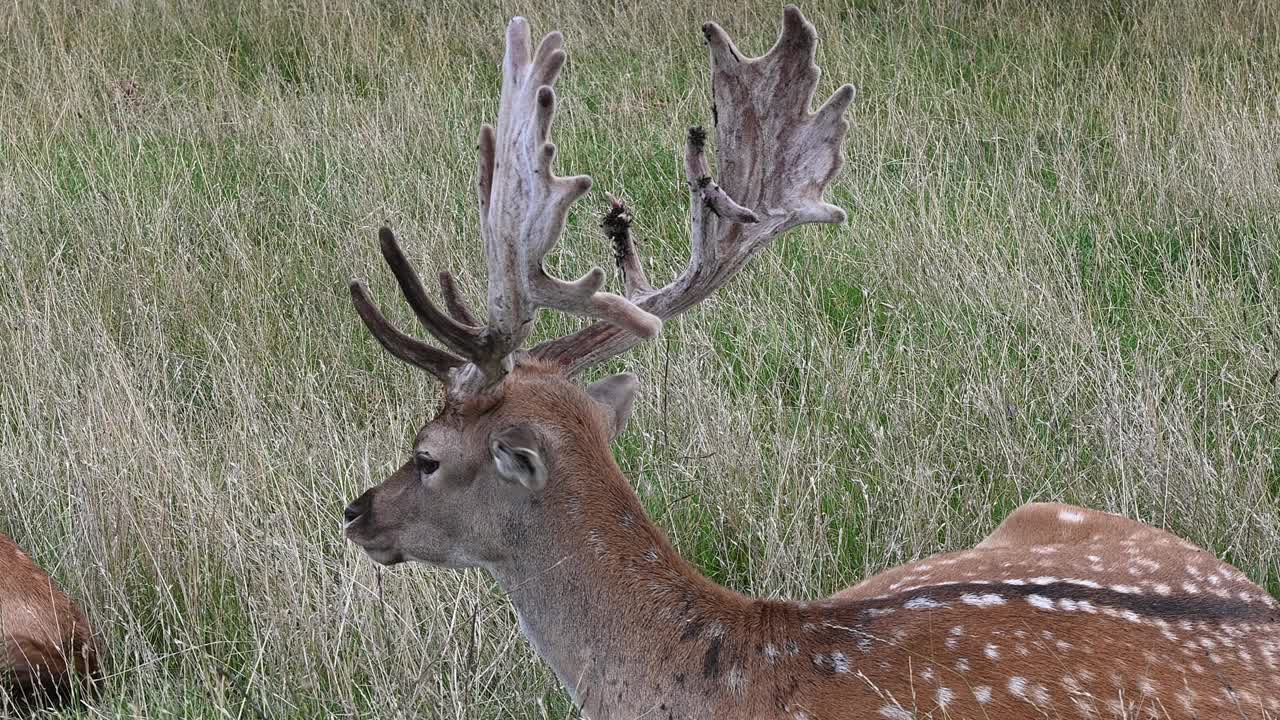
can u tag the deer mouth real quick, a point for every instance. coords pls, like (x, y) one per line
(381, 554)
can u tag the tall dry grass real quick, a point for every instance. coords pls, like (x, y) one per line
(1058, 281)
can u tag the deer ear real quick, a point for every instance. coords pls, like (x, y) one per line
(516, 455)
(617, 393)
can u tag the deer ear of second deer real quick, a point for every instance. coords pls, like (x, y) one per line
(46, 644)
(1061, 612)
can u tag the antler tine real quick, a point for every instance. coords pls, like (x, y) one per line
(411, 350)
(775, 159)
(462, 337)
(453, 300)
(465, 340)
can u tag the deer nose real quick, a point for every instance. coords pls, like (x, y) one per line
(358, 507)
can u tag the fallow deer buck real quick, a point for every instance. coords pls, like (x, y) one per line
(1061, 612)
(46, 643)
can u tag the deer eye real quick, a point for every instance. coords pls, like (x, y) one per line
(425, 463)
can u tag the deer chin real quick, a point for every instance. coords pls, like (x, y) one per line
(388, 555)
(384, 555)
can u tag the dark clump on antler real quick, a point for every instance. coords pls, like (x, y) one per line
(617, 227)
(775, 160)
(616, 224)
(697, 137)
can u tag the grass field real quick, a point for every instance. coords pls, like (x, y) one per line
(1060, 279)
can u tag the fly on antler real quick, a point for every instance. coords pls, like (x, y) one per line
(776, 159)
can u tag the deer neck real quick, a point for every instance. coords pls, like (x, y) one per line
(627, 624)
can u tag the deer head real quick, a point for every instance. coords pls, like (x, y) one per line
(515, 426)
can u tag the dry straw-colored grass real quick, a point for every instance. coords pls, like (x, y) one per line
(1058, 281)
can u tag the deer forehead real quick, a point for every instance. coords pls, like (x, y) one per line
(553, 404)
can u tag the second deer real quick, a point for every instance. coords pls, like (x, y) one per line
(1061, 612)
(46, 644)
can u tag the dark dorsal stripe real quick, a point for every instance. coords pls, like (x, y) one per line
(1173, 607)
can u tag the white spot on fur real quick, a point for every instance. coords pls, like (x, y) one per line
(736, 680)
(923, 603)
(1071, 516)
(982, 694)
(840, 662)
(1083, 583)
(944, 696)
(1041, 602)
(596, 541)
(983, 600)
(992, 651)
(1018, 687)
(1147, 563)
(896, 712)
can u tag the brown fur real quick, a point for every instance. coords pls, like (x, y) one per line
(46, 643)
(1061, 612)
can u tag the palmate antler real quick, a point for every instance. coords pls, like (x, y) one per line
(775, 161)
